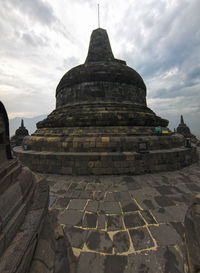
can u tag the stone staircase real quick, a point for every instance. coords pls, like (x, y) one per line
(23, 208)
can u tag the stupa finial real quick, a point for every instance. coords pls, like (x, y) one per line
(98, 16)
(182, 121)
(99, 48)
(22, 123)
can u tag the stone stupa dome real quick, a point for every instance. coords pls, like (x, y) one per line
(100, 65)
(183, 129)
(22, 131)
(103, 91)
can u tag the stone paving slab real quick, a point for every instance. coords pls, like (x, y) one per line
(126, 224)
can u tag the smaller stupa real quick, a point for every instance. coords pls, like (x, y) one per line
(20, 133)
(183, 129)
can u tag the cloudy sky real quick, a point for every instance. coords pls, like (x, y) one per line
(41, 39)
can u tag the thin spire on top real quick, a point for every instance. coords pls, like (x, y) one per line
(98, 17)
(22, 123)
(182, 121)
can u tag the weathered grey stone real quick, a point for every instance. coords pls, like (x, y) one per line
(71, 217)
(149, 204)
(128, 206)
(39, 266)
(77, 204)
(115, 263)
(92, 206)
(99, 241)
(62, 202)
(165, 235)
(141, 238)
(114, 222)
(122, 196)
(90, 220)
(109, 207)
(133, 219)
(148, 217)
(192, 226)
(90, 262)
(101, 221)
(98, 195)
(52, 200)
(45, 253)
(162, 215)
(180, 229)
(86, 195)
(109, 197)
(76, 236)
(164, 201)
(166, 259)
(121, 242)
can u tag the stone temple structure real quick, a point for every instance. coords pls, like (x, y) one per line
(30, 239)
(102, 123)
(20, 133)
(183, 129)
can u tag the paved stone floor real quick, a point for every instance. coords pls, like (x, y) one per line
(126, 224)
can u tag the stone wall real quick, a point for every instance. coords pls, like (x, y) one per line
(91, 92)
(107, 163)
(192, 228)
(99, 142)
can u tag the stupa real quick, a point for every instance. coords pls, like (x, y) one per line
(101, 124)
(20, 133)
(184, 129)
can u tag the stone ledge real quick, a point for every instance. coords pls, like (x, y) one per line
(127, 163)
(24, 242)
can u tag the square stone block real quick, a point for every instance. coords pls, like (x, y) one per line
(77, 204)
(109, 207)
(71, 217)
(141, 238)
(90, 220)
(114, 222)
(133, 219)
(92, 206)
(99, 241)
(129, 205)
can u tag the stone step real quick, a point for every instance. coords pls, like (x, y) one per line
(21, 249)
(13, 216)
(108, 163)
(15, 195)
(7, 167)
(10, 177)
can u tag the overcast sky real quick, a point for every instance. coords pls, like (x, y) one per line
(41, 39)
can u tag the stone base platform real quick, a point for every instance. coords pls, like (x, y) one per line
(84, 163)
(125, 223)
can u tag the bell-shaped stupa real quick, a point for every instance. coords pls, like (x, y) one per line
(183, 129)
(101, 124)
(103, 91)
(20, 133)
